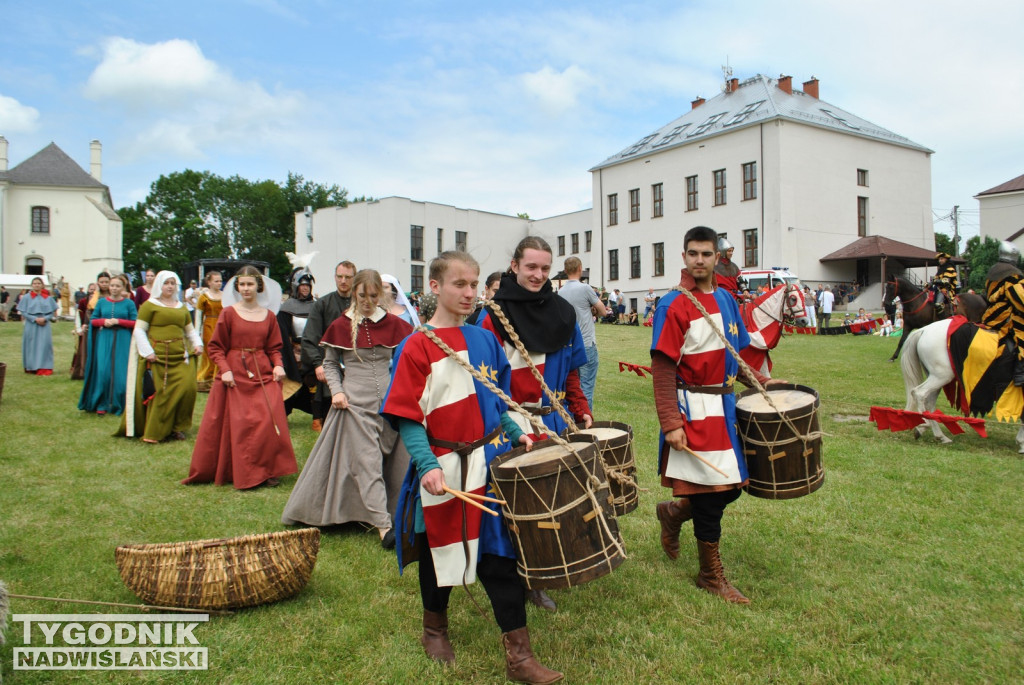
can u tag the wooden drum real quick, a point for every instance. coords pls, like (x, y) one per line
(615, 443)
(559, 514)
(783, 463)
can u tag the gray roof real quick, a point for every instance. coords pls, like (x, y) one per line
(51, 166)
(756, 101)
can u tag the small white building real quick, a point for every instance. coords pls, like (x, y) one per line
(787, 177)
(56, 219)
(400, 236)
(1002, 211)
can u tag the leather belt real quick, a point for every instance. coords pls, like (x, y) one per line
(707, 389)
(539, 411)
(464, 448)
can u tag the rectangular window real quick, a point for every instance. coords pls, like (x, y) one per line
(416, 278)
(750, 247)
(440, 240)
(40, 219)
(719, 187)
(659, 259)
(561, 246)
(862, 177)
(634, 262)
(658, 199)
(588, 237)
(691, 193)
(613, 209)
(634, 204)
(416, 243)
(574, 241)
(613, 265)
(461, 240)
(862, 216)
(750, 181)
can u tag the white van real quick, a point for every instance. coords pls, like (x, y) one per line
(777, 275)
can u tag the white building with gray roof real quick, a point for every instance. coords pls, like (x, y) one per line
(56, 219)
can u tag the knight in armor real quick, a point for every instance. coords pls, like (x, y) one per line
(944, 283)
(1004, 289)
(291, 319)
(726, 272)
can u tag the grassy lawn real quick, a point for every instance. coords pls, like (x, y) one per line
(906, 566)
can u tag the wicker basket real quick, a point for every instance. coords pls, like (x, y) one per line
(229, 573)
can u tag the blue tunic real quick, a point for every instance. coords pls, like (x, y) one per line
(37, 341)
(106, 369)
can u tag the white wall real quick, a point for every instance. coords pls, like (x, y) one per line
(1002, 215)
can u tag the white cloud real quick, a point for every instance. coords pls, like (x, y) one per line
(183, 103)
(556, 91)
(16, 117)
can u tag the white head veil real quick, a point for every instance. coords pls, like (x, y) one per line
(401, 298)
(158, 284)
(270, 298)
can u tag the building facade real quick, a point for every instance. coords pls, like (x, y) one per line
(56, 219)
(1002, 212)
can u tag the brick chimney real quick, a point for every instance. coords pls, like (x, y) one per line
(811, 88)
(3, 154)
(96, 160)
(786, 84)
(732, 85)
(696, 103)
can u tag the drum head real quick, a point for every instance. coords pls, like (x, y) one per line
(603, 433)
(538, 455)
(785, 400)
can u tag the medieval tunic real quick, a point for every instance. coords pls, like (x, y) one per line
(1004, 290)
(168, 333)
(106, 367)
(37, 340)
(726, 273)
(244, 437)
(321, 315)
(83, 316)
(355, 470)
(431, 390)
(701, 359)
(211, 309)
(291, 321)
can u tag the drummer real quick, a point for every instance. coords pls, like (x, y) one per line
(437, 407)
(687, 354)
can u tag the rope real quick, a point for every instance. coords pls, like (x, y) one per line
(514, 337)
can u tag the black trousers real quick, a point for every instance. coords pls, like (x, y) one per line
(708, 509)
(500, 580)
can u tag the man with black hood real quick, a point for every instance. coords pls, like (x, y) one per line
(322, 314)
(291, 319)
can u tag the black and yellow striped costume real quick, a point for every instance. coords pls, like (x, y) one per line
(1004, 289)
(946, 278)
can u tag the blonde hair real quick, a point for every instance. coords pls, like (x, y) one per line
(365, 278)
(439, 265)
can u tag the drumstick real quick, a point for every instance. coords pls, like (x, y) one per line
(482, 498)
(467, 500)
(708, 463)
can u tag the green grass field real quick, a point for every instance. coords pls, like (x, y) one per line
(907, 566)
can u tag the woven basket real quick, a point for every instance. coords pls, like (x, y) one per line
(229, 573)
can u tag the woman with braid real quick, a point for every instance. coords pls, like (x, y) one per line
(545, 325)
(453, 426)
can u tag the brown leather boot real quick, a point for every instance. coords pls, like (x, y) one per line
(520, 663)
(435, 637)
(712, 575)
(672, 514)
(539, 598)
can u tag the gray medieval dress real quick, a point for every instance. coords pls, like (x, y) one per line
(357, 465)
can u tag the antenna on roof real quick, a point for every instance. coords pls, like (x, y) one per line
(727, 73)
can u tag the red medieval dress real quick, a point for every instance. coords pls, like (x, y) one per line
(244, 436)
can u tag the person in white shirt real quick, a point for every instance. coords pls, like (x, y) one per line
(827, 300)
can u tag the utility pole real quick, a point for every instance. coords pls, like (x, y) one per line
(956, 230)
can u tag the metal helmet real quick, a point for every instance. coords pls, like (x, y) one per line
(1008, 252)
(724, 244)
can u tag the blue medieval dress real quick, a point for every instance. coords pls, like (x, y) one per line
(37, 340)
(106, 366)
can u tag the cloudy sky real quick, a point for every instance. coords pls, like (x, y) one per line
(490, 105)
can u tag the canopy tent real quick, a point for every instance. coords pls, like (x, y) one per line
(885, 249)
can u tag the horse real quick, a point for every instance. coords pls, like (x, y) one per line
(926, 351)
(764, 318)
(918, 308)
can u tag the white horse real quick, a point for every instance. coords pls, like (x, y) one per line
(924, 350)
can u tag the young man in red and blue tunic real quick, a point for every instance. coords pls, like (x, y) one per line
(453, 427)
(694, 378)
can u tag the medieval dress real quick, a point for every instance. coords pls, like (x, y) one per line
(356, 467)
(166, 332)
(37, 340)
(686, 338)
(83, 318)
(210, 309)
(431, 390)
(244, 437)
(106, 366)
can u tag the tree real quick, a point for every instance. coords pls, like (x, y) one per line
(944, 243)
(980, 257)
